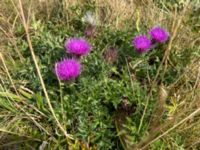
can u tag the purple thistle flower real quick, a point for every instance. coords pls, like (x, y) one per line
(159, 34)
(141, 43)
(77, 46)
(67, 69)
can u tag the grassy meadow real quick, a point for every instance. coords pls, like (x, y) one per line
(122, 99)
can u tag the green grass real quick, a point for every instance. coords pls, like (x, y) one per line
(104, 107)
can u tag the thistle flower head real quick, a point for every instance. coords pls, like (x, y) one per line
(90, 31)
(90, 18)
(78, 46)
(110, 55)
(67, 69)
(141, 43)
(159, 34)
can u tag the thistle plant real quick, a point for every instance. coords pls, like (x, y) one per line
(100, 87)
